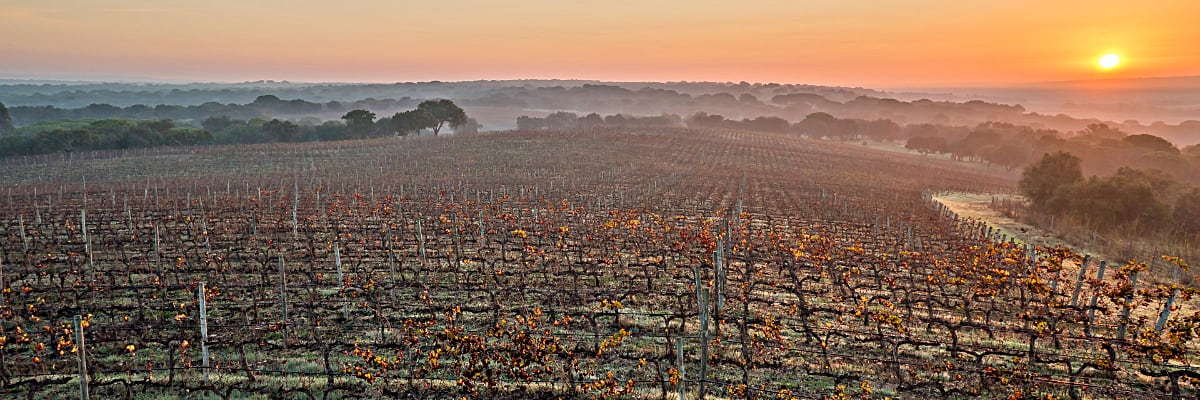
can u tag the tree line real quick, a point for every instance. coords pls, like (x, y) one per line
(114, 134)
(264, 106)
(564, 120)
(1102, 149)
(793, 102)
(69, 136)
(1129, 200)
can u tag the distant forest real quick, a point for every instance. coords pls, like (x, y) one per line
(498, 103)
(1003, 135)
(69, 135)
(1103, 149)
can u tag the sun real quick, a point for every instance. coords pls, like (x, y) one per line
(1109, 61)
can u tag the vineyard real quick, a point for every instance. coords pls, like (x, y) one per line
(587, 264)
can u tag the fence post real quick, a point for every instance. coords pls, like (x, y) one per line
(337, 260)
(1095, 296)
(679, 364)
(128, 215)
(87, 244)
(204, 230)
(391, 255)
(703, 300)
(1079, 282)
(283, 298)
(2, 286)
(718, 262)
(24, 239)
(1127, 306)
(83, 377)
(157, 250)
(203, 330)
(295, 207)
(1166, 311)
(726, 251)
(421, 241)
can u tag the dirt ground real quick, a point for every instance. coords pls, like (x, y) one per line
(978, 206)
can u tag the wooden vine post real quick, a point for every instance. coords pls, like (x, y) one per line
(1079, 281)
(83, 375)
(679, 365)
(203, 330)
(1166, 311)
(702, 303)
(337, 260)
(1128, 306)
(283, 299)
(1095, 296)
(87, 244)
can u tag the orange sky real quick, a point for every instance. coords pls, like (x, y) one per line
(843, 42)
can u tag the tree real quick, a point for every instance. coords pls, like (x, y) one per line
(159, 126)
(412, 121)
(975, 142)
(766, 124)
(444, 112)
(880, 129)
(1187, 211)
(384, 127)
(820, 124)
(1008, 155)
(1040, 180)
(1130, 198)
(705, 120)
(927, 144)
(615, 120)
(6, 125)
(281, 131)
(267, 99)
(527, 123)
(186, 136)
(590, 121)
(63, 140)
(219, 123)
(1192, 151)
(1150, 143)
(561, 120)
(1103, 131)
(360, 123)
(816, 124)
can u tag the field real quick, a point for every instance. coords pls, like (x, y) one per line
(588, 264)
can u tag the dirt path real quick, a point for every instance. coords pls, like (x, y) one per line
(978, 206)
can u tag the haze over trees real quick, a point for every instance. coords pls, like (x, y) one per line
(1041, 180)
(1132, 200)
(102, 135)
(6, 125)
(32, 103)
(1004, 136)
(360, 123)
(412, 121)
(110, 133)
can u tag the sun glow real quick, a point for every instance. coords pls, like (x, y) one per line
(1109, 61)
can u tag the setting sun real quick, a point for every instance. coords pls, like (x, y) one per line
(1109, 61)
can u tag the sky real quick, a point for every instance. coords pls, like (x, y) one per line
(873, 43)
